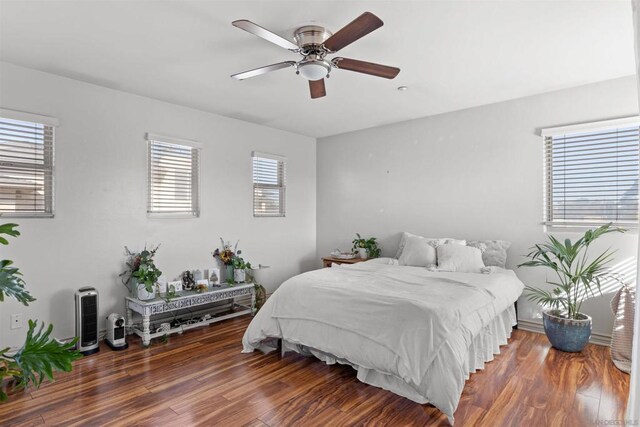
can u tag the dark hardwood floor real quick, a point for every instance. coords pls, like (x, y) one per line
(200, 378)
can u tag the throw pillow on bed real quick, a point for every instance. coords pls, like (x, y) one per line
(458, 258)
(494, 252)
(417, 252)
(435, 242)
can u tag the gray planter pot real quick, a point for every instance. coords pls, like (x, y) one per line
(567, 334)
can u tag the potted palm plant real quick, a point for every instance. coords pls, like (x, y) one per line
(578, 278)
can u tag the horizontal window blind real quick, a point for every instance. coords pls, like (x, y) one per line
(173, 181)
(26, 168)
(269, 185)
(592, 177)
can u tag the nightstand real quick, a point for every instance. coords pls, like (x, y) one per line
(328, 260)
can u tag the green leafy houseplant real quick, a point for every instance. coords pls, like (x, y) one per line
(370, 244)
(40, 355)
(141, 267)
(240, 267)
(240, 264)
(577, 276)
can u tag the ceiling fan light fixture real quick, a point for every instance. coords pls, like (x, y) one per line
(314, 69)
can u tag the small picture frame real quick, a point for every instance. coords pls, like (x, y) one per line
(177, 285)
(202, 282)
(214, 276)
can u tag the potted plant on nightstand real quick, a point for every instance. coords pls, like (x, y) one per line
(565, 326)
(141, 273)
(366, 247)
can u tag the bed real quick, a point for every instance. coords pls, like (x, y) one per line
(415, 332)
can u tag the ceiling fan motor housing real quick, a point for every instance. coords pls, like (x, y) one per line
(311, 36)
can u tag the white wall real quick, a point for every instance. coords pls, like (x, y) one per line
(474, 174)
(100, 196)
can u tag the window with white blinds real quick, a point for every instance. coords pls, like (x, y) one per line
(269, 184)
(173, 181)
(26, 168)
(591, 174)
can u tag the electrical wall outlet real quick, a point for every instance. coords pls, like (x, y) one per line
(16, 321)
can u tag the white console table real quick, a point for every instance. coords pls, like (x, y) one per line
(185, 299)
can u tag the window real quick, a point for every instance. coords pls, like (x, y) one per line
(591, 174)
(173, 177)
(269, 184)
(26, 164)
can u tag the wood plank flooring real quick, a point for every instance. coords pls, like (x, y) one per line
(201, 378)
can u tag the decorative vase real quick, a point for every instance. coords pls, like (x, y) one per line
(362, 252)
(229, 276)
(141, 292)
(570, 335)
(239, 275)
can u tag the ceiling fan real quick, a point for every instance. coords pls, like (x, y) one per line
(314, 43)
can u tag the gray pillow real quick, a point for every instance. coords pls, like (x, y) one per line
(494, 252)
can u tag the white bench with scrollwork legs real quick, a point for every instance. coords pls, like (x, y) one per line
(187, 299)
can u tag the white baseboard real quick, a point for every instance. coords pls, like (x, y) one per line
(596, 338)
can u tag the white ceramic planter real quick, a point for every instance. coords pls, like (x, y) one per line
(142, 293)
(239, 275)
(362, 252)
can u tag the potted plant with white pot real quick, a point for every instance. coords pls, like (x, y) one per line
(366, 248)
(578, 278)
(141, 274)
(240, 268)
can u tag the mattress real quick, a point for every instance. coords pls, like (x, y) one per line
(414, 332)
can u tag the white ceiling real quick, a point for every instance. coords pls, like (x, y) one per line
(453, 54)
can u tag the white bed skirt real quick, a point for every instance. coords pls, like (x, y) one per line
(482, 349)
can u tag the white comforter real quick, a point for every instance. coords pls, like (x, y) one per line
(404, 328)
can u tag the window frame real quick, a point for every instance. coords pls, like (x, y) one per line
(547, 135)
(195, 176)
(282, 186)
(47, 122)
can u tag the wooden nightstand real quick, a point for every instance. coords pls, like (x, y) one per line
(327, 261)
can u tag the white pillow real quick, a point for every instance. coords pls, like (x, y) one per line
(459, 258)
(417, 252)
(435, 242)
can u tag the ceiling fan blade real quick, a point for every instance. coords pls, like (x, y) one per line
(263, 70)
(257, 30)
(317, 88)
(366, 67)
(359, 27)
